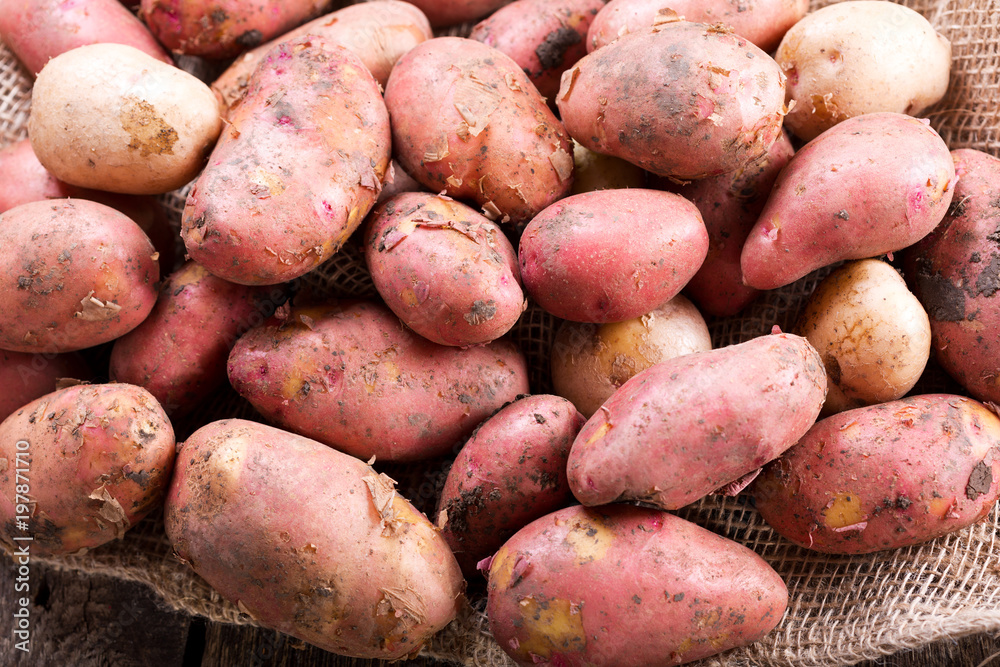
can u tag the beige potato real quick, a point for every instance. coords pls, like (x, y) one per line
(590, 361)
(873, 335)
(110, 117)
(861, 57)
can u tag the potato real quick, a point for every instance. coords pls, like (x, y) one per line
(510, 472)
(76, 274)
(625, 586)
(956, 271)
(350, 375)
(682, 99)
(296, 171)
(97, 459)
(870, 185)
(337, 559)
(110, 117)
(452, 12)
(26, 377)
(397, 181)
(544, 37)
(593, 171)
(179, 352)
(379, 32)
(690, 425)
(861, 57)
(466, 121)
(445, 270)
(37, 30)
(872, 333)
(581, 259)
(591, 361)
(223, 28)
(885, 476)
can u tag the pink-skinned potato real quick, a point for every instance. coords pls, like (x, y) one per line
(337, 559)
(379, 32)
(682, 100)
(885, 476)
(443, 13)
(611, 255)
(510, 472)
(956, 275)
(77, 274)
(581, 586)
(25, 377)
(297, 169)
(690, 425)
(350, 375)
(870, 185)
(466, 121)
(447, 271)
(98, 458)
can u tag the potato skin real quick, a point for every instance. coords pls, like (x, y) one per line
(445, 270)
(579, 586)
(83, 274)
(544, 37)
(466, 121)
(350, 375)
(885, 476)
(379, 32)
(510, 472)
(452, 12)
(861, 57)
(682, 99)
(26, 377)
(100, 458)
(110, 117)
(651, 441)
(337, 559)
(296, 171)
(581, 259)
(955, 270)
(870, 185)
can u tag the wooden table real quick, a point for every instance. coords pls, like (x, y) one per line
(96, 621)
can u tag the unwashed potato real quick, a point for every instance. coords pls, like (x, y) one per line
(452, 12)
(591, 361)
(25, 377)
(873, 334)
(110, 117)
(309, 541)
(858, 57)
(98, 459)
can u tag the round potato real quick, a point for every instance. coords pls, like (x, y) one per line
(110, 117)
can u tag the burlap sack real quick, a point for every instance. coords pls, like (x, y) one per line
(842, 609)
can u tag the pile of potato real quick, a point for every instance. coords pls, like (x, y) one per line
(596, 159)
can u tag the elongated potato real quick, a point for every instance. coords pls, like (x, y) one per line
(350, 375)
(690, 425)
(297, 170)
(885, 476)
(582, 585)
(25, 377)
(98, 458)
(309, 541)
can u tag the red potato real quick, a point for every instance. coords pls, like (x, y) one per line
(611, 255)
(77, 274)
(379, 32)
(443, 13)
(510, 472)
(684, 100)
(763, 22)
(870, 185)
(885, 476)
(445, 270)
(309, 541)
(25, 377)
(223, 28)
(466, 121)
(956, 271)
(544, 37)
(98, 458)
(690, 425)
(623, 586)
(38, 30)
(350, 375)
(296, 171)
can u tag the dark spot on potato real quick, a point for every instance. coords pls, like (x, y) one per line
(903, 502)
(553, 48)
(539, 418)
(843, 215)
(832, 367)
(995, 236)
(148, 133)
(481, 311)
(980, 481)
(988, 281)
(943, 300)
(250, 39)
(975, 258)
(23, 282)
